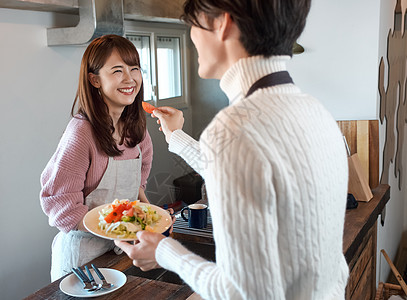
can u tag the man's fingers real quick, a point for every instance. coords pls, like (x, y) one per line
(156, 113)
(143, 235)
(145, 266)
(126, 247)
(166, 110)
(149, 238)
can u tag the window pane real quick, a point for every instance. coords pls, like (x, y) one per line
(169, 67)
(142, 44)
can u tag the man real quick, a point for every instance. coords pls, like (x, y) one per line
(273, 161)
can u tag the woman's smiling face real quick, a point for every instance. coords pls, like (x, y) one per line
(118, 82)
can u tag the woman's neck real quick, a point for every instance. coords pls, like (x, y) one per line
(117, 126)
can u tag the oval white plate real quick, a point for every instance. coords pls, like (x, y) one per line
(91, 222)
(72, 286)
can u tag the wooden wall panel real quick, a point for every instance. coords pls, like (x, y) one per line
(363, 138)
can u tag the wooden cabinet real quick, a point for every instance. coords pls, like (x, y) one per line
(359, 244)
(362, 279)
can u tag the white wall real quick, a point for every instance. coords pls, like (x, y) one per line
(339, 63)
(38, 84)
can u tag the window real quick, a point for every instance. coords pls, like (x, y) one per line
(142, 44)
(162, 56)
(169, 67)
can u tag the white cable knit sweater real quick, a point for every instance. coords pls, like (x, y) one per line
(276, 174)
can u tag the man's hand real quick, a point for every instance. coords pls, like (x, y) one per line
(170, 120)
(143, 252)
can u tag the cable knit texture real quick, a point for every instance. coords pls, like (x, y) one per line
(276, 175)
(76, 169)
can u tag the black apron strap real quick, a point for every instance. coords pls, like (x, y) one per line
(269, 80)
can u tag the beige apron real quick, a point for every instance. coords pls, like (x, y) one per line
(121, 180)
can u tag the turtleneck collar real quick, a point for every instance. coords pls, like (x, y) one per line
(240, 76)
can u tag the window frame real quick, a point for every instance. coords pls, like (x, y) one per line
(153, 30)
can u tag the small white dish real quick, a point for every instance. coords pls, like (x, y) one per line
(91, 222)
(72, 286)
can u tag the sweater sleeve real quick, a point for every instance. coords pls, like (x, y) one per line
(63, 179)
(210, 280)
(146, 147)
(187, 148)
(203, 276)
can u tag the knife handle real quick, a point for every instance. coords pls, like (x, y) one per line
(89, 274)
(98, 272)
(75, 271)
(85, 278)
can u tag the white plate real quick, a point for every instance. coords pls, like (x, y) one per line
(91, 222)
(72, 286)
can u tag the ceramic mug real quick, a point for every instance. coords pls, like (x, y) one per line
(197, 215)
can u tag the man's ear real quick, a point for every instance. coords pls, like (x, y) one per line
(94, 80)
(225, 26)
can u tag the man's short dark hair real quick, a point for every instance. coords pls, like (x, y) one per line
(268, 27)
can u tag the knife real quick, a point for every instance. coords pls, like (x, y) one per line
(105, 284)
(84, 279)
(346, 145)
(92, 280)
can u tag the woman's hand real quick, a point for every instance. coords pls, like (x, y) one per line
(173, 219)
(170, 120)
(82, 227)
(143, 252)
(142, 196)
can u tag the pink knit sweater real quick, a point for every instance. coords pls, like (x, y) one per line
(75, 170)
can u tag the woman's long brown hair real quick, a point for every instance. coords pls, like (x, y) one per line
(91, 105)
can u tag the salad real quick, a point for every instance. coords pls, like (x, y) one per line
(124, 218)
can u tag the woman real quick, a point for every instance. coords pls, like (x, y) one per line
(273, 161)
(105, 152)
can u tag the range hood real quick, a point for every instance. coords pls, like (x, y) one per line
(96, 18)
(99, 17)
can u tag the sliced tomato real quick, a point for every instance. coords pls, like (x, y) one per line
(148, 107)
(116, 214)
(129, 212)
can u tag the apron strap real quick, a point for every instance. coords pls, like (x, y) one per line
(276, 78)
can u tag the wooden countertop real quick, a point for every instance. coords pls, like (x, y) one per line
(358, 221)
(135, 288)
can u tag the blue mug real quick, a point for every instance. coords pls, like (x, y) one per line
(197, 215)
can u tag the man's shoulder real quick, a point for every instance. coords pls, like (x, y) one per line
(236, 116)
